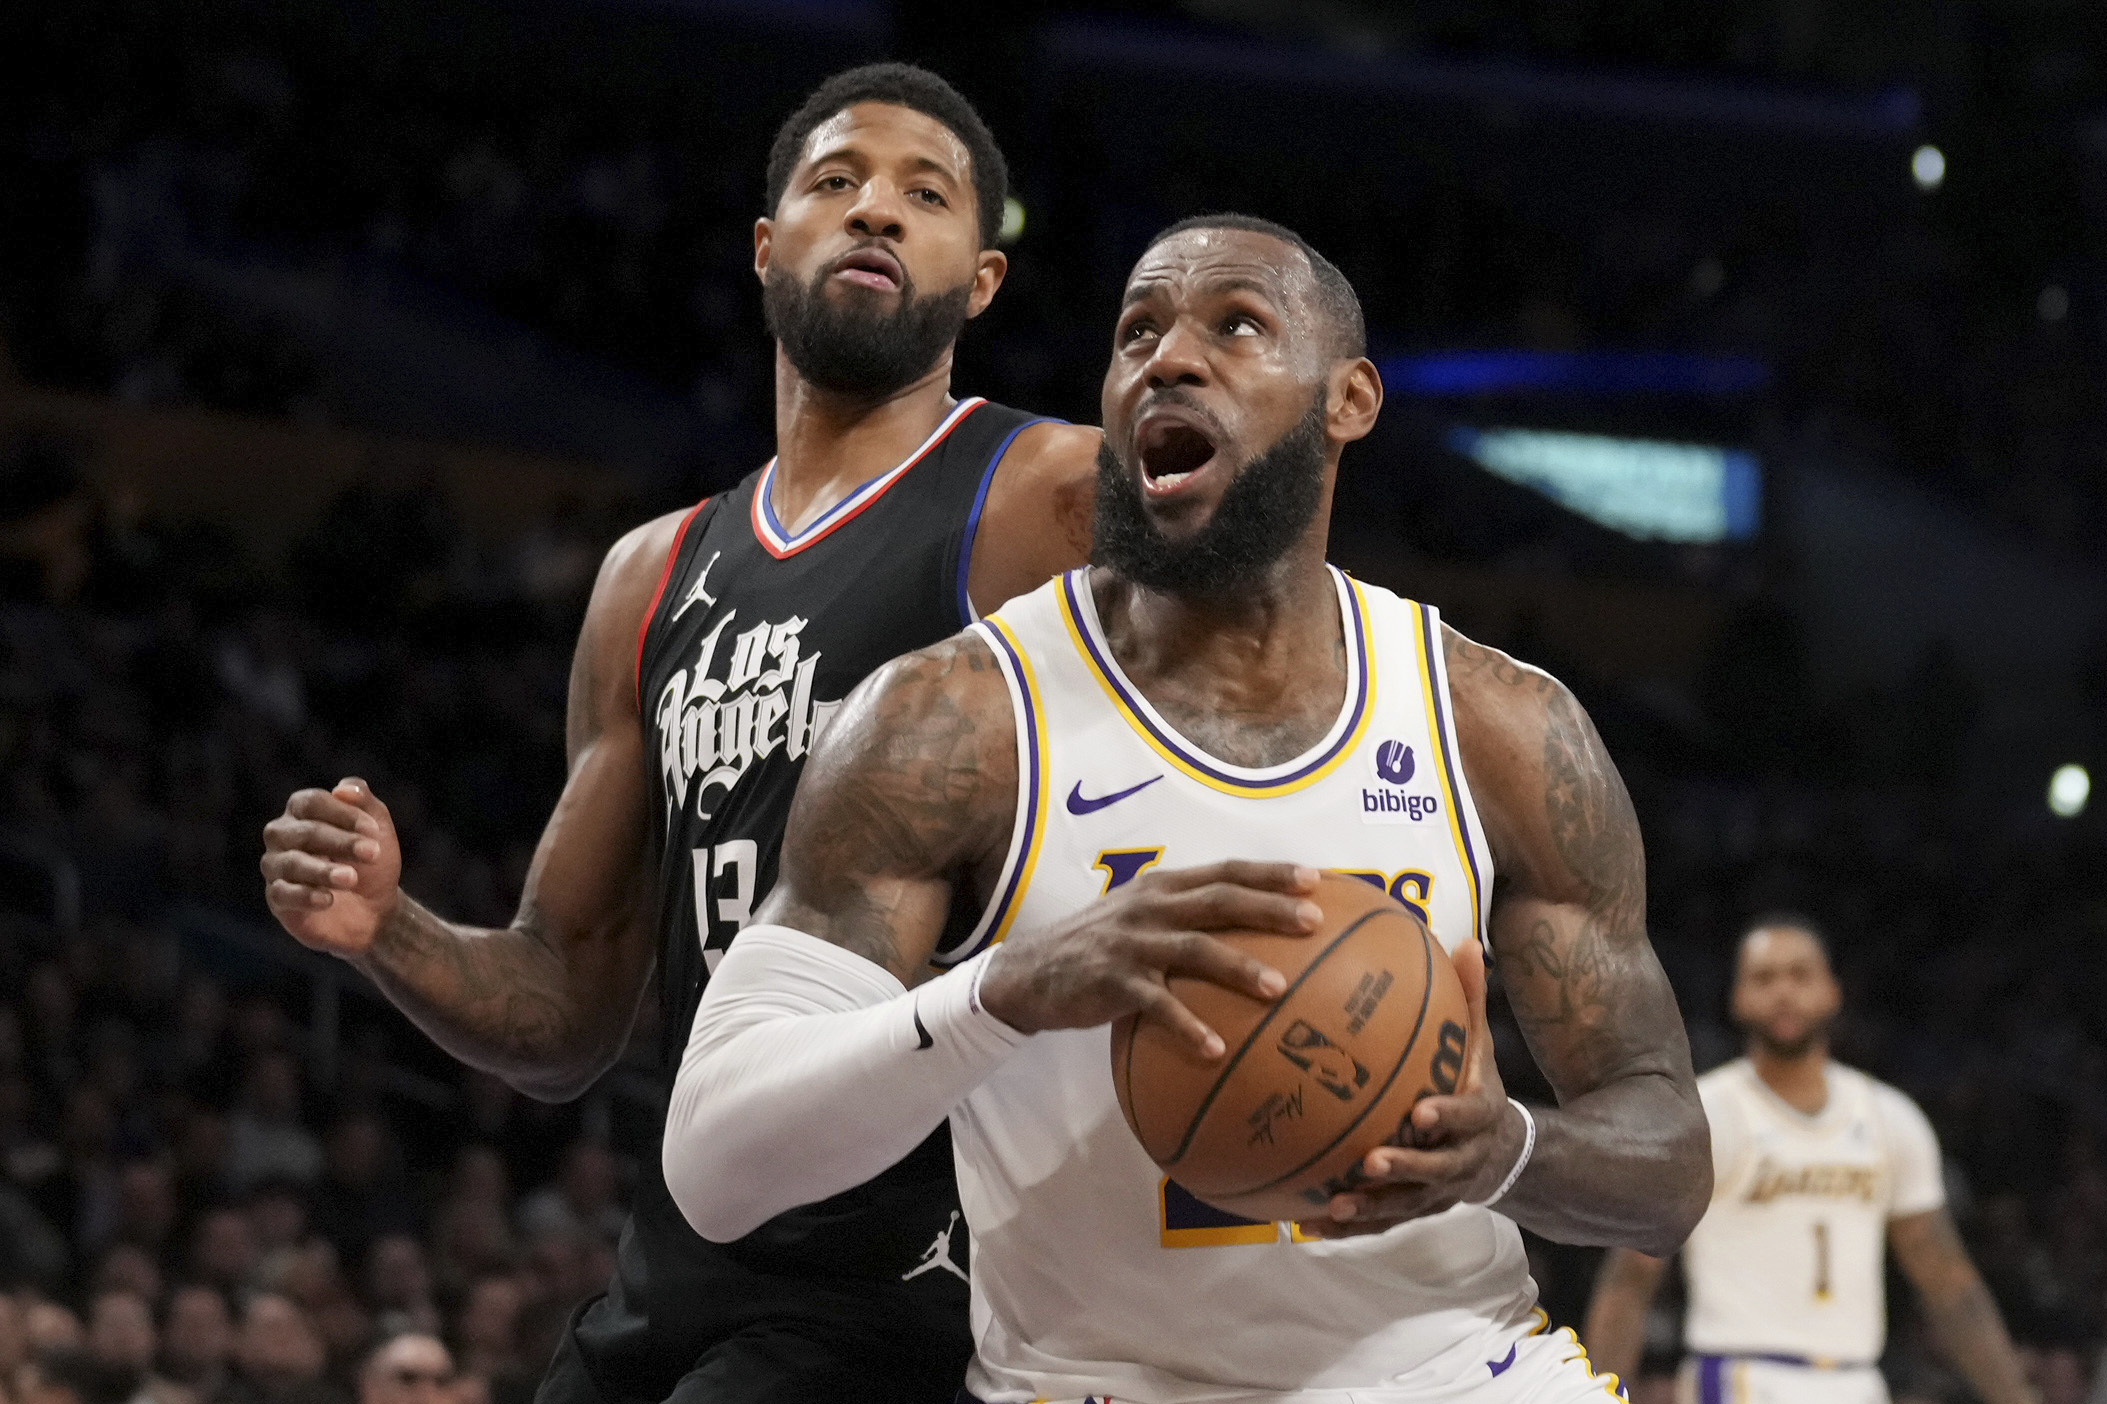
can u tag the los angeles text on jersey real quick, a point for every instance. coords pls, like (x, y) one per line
(736, 705)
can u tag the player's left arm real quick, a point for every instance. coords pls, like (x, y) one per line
(1963, 1316)
(1624, 1159)
(1037, 519)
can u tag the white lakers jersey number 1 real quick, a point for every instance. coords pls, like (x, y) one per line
(1093, 1274)
(1789, 1259)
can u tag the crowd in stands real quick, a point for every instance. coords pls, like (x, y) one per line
(200, 1201)
(1957, 346)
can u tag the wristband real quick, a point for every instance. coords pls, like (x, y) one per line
(1521, 1162)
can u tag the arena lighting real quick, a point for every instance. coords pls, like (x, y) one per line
(1593, 374)
(1646, 488)
(2068, 789)
(1012, 221)
(1927, 165)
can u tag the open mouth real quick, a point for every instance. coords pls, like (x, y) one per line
(871, 268)
(1173, 449)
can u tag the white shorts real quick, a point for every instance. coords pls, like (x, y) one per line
(1544, 1367)
(1717, 1379)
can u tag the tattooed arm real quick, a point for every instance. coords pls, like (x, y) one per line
(547, 1002)
(1624, 1159)
(1963, 1316)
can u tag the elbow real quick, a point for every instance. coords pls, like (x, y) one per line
(564, 1079)
(1687, 1187)
(706, 1187)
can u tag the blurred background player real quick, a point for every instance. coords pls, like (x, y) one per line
(1817, 1167)
(716, 646)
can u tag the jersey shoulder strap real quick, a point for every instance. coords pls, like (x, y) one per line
(686, 537)
(973, 453)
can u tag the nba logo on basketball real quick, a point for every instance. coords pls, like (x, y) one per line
(1393, 761)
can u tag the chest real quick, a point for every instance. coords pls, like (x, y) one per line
(1831, 1162)
(754, 652)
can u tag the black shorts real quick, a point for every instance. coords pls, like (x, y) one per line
(688, 1322)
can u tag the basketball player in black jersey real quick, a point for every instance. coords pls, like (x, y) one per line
(716, 646)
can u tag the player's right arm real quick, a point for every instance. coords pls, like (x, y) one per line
(820, 1053)
(547, 1002)
(1615, 1330)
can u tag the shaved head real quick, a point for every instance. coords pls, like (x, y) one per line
(1331, 297)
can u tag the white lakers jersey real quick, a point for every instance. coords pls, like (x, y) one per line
(1093, 1274)
(1789, 1259)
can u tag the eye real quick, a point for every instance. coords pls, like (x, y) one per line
(1135, 331)
(834, 182)
(928, 196)
(1242, 324)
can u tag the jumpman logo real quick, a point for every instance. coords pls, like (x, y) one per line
(938, 1255)
(698, 592)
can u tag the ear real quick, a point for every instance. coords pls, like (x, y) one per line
(1353, 400)
(987, 277)
(764, 246)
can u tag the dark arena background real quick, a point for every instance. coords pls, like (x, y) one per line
(1747, 368)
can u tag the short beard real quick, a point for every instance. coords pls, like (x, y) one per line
(1264, 510)
(848, 347)
(1787, 1051)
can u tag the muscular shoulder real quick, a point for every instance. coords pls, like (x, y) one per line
(1553, 805)
(604, 670)
(631, 569)
(1038, 516)
(918, 771)
(912, 788)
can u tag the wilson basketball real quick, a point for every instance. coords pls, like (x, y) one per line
(1373, 1019)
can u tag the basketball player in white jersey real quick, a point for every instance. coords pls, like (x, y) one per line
(1816, 1169)
(1060, 803)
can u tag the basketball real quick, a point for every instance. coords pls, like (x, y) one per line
(1372, 1020)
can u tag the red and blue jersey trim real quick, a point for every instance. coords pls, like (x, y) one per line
(782, 543)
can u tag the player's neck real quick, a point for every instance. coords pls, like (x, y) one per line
(1802, 1082)
(829, 444)
(1255, 677)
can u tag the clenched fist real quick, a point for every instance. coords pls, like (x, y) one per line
(332, 867)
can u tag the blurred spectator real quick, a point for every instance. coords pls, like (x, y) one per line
(47, 1326)
(407, 1368)
(279, 1357)
(487, 1330)
(121, 1335)
(69, 1376)
(470, 1237)
(364, 1192)
(399, 1286)
(265, 1139)
(128, 1268)
(146, 1204)
(223, 1250)
(197, 1340)
(585, 1197)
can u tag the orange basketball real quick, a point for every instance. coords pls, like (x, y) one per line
(1372, 1020)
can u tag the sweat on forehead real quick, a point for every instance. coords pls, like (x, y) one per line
(1330, 296)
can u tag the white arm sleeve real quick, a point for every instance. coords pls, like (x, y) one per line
(809, 1070)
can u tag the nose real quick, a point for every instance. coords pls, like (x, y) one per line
(878, 212)
(1178, 358)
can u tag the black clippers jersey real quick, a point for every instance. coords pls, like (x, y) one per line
(754, 639)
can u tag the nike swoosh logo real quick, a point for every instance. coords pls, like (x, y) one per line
(1078, 805)
(1499, 1367)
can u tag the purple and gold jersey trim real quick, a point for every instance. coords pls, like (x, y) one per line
(1432, 678)
(1080, 615)
(1032, 765)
